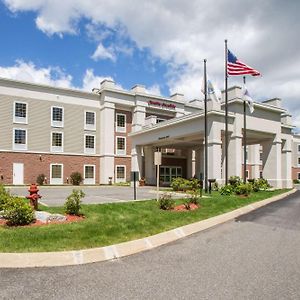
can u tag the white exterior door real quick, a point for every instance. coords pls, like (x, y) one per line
(18, 173)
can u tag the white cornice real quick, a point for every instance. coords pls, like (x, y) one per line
(46, 88)
(185, 118)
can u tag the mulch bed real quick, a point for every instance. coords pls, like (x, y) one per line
(182, 207)
(70, 219)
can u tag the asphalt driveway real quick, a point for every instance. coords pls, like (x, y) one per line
(56, 195)
(254, 257)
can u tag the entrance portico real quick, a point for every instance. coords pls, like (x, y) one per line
(266, 129)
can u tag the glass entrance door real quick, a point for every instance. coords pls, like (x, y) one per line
(167, 173)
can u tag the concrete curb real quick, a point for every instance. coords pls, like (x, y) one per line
(78, 257)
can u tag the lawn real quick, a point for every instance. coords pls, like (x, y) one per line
(108, 224)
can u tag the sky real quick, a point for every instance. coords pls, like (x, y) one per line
(159, 43)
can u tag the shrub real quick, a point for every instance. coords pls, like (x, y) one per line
(296, 181)
(4, 196)
(181, 184)
(262, 184)
(194, 198)
(194, 183)
(187, 204)
(40, 179)
(255, 186)
(177, 183)
(76, 178)
(243, 189)
(235, 180)
(226, 190)
(73, 202)
(166, 202)
(215, 186)
(18, 212)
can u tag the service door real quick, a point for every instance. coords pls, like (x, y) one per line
(18, 173)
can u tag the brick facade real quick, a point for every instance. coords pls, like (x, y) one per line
(295, 172)
(35, 164)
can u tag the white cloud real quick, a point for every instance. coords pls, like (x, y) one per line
(53, 76)
(104, 53)
(27, 71)
(90, 80)
(182, 34)
(153, 90)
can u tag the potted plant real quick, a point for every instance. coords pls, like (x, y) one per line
(142, 181)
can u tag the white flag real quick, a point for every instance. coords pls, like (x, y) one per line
(212, 91)
(246, 97)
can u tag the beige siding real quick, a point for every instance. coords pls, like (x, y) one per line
(39, 125)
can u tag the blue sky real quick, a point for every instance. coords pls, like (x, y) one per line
(73, 53)
(160, 44)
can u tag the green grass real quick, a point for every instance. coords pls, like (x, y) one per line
(108, 224)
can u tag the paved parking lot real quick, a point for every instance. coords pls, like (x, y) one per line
(56, 195)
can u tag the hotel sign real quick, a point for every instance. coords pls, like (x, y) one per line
(162, 104)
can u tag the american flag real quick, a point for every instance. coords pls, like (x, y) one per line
(236, 67)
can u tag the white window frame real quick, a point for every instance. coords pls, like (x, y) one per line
(57, 180)
(119, 128)
(89, 150)
(119, 151)
(20, 120)
(120, 179)
(20, 146)
(56, 148)
(57, 123)
(89, 180)
(89, 126)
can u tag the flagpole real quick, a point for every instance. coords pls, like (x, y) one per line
(226, 114)
(205, 130)
(245, 137)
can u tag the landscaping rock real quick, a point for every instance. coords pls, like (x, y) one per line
(57, 218)
(46, 217)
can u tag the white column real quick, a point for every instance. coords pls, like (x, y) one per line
(214, 151)
(254, 160)
(138, 118)
(286, 163)
(199, 162)
(193, 163)
(136, 160)
(272, 161)
(214, 160)
(235, 155)
(107, 136)
(189, 161)
(149, 165)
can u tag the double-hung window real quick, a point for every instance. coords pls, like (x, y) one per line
(57, 142)
(20, 139)
(56, 174)
(90, 120)
(120, 123)
(89, 174)
(120, 145)
(120, 173)
(20, 112)
(57, 116)
(89, 143)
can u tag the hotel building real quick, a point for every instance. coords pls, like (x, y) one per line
(107, 133)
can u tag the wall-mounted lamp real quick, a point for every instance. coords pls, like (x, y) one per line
(40, 157)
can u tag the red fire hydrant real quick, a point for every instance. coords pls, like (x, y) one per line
(33, 196)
